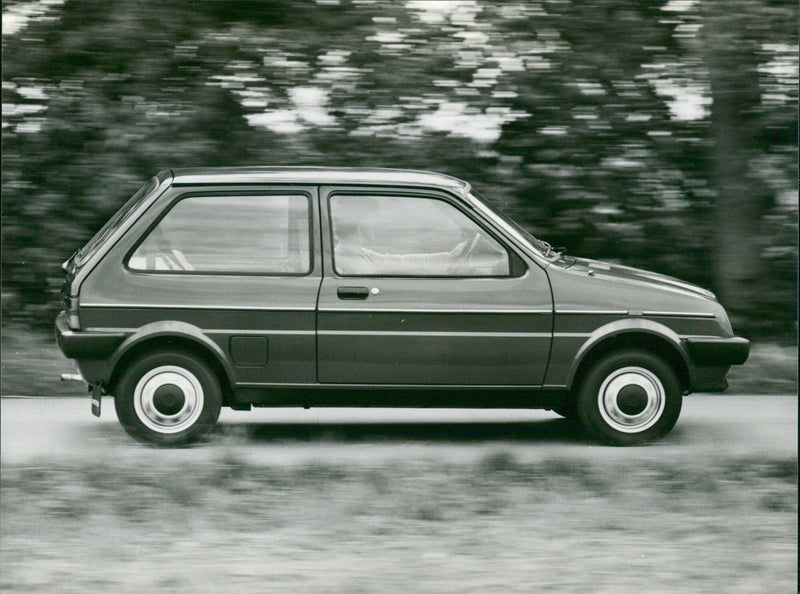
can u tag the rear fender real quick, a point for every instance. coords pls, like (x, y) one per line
(162, 331)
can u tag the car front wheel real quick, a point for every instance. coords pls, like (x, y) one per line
(630, 398)
(168, 398)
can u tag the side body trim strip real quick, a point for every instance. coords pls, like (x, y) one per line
(208, 307)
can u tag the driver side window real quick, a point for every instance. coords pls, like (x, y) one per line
(410, 236)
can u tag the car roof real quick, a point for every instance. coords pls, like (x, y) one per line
(316, 176)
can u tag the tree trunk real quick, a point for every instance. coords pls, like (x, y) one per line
(732, 62)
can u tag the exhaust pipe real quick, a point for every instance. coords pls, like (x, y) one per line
(72, 377)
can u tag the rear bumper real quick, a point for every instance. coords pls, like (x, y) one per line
(85, 345)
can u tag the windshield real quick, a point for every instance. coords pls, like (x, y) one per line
(542, 247)
(114, 222)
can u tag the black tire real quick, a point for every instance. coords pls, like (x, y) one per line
(168, 398)
(629, 397)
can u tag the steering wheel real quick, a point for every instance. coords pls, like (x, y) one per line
(460, 264)
(473, 244)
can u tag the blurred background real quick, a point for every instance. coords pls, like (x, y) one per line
(656, 133)
(661, 134)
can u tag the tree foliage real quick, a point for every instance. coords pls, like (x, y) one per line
(662, 134)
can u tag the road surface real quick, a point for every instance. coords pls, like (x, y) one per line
(57, 429)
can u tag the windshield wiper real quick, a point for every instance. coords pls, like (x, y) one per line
(559, 251)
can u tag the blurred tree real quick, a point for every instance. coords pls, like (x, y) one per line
(654, 132)
(659, 139)
(734, 35)
(602, 154)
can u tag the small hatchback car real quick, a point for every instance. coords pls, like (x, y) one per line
(370, 287)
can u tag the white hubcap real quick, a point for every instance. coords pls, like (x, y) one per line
(168, 399)
(631, 399)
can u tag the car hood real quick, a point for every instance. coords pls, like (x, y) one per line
(617, 271)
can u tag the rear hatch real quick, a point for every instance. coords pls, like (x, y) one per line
(73, 266)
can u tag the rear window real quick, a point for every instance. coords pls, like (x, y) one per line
(115, 222)
(252, 234)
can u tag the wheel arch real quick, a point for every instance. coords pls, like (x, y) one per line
(172, 335)
(642, 335)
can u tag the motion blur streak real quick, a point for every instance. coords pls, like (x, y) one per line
(658, 133)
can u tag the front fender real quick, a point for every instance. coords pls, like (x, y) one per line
(619, 328)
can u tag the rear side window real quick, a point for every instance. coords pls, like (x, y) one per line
(266, 234)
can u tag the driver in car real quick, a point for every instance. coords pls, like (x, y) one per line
(354, 257)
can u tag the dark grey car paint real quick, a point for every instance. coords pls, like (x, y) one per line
(514, 340)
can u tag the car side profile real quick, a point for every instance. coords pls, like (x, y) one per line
(244, 287)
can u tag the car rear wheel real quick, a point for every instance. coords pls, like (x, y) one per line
(630, 398)
(168, 398)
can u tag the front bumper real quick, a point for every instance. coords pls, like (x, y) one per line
(716, 352)
(711, 358)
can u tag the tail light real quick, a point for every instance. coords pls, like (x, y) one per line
(71, 308)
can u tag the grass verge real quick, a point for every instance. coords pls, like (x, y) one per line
(494, 524)
(31, 365)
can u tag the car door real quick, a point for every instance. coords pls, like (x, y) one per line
(418, 291)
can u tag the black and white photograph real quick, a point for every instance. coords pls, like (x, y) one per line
(399, 296)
